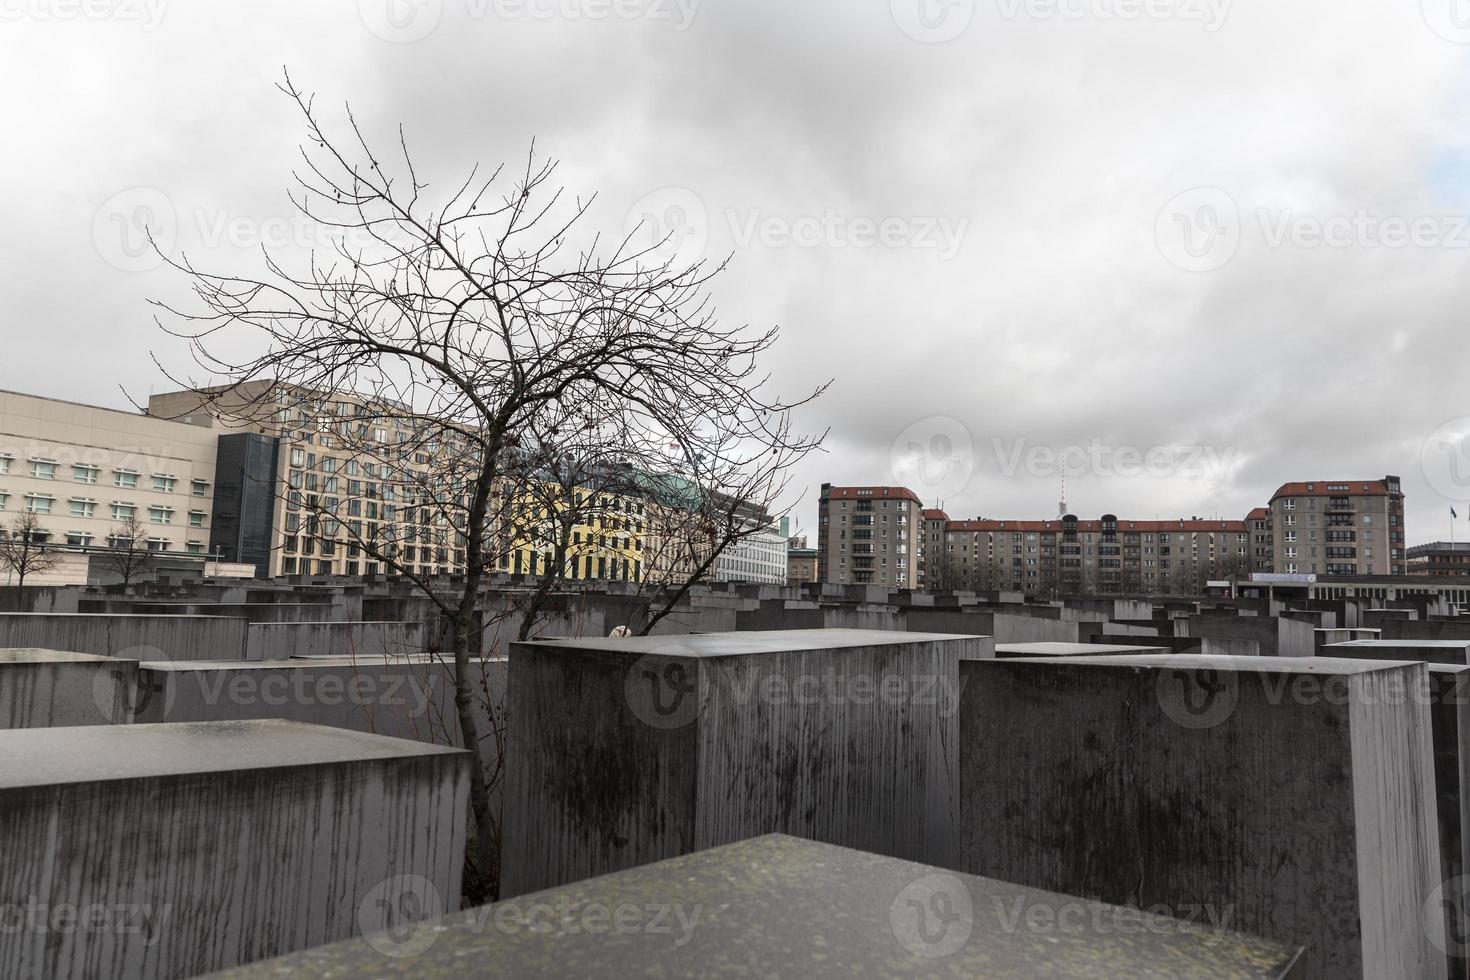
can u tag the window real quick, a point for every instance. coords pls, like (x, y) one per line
(158, 544)
(195, 547)
(5, 463)
(84, 474)
(123, 512)
(126, 479)
(199, 488)
(160, 515)
(81, 507)
(77, 539)
(4, 499)
(163, 483)
(43, 469)
(37, 503)
(196, 518)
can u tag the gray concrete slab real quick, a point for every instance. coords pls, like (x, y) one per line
(1276, 636)
(127, 636)
(1450, 720)
(744, 644)
(778, 906)
(54, 688)
(192, 848)
(1074, 649)
(625, 751)
(1297, 792)
(403, 697)
(1428, 651)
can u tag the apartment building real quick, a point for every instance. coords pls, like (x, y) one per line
(1439, 558)
(1263, 546)
(870, 535)
(1344, 527)
(1073, 556)
(84, 470)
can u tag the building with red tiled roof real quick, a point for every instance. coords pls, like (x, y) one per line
(1337, 527)
(870, 536)
(1073, 556)
(877, 493)
(884, 535)
(1339, 488)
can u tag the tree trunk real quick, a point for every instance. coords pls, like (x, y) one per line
(486, 847)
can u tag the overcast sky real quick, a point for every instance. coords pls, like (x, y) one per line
(1183, 250)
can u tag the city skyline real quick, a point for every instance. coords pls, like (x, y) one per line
(944, 238)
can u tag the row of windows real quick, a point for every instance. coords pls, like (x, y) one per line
(84, 539)
(45, 469)
(86, 508)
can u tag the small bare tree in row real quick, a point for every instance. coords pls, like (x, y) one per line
(497, 353)
(127, 554)
(25, 549)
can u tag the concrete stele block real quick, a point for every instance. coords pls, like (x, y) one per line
(204, 846)
(777, 906)
(1295, 792)
(1450, 718)
(1011, 651)
(626, 751)
(1428, 651)
(54, 688)
(402, 697)
(128, 636)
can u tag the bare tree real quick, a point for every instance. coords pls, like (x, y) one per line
(477, 333)
(25, 550)
(127, 554)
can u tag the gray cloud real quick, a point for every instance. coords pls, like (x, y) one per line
(802, 131)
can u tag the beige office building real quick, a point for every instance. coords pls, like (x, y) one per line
(83, 470)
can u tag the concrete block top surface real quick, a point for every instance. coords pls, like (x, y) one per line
(1253, 665)
(1077, 649)
(1448, 668)
(305, 662)
(169, 617)
(51, 756)
(26, 655)
(749, 643)
(780, 906)
(1348, 629)
(1405, 644)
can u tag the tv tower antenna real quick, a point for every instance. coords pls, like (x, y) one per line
(1062, 505)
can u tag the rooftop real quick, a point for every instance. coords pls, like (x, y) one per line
(875, 493)
(1333, 488)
